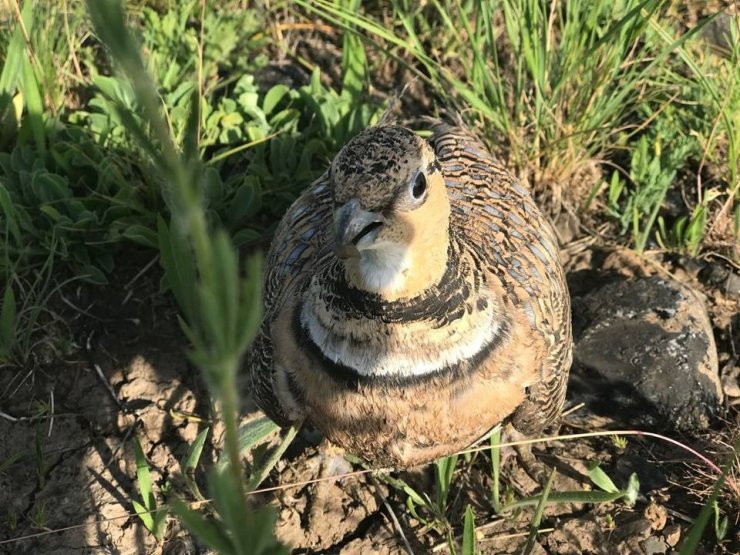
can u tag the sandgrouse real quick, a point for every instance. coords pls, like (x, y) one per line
(413, 300)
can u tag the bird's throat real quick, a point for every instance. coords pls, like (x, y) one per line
(395, 271)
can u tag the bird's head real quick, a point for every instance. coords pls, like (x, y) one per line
(391, 212)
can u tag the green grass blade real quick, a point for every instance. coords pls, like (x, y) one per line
(539, 511)
(585, 496)
(354, 62)
(144, 478)
(192, 457)
(143, 513)
(15, 53)
(12, 65)
(34, 105)
(255, 431)
(8, 209)
(190, 462)
(8, 321)
(179, 267)
(496, 470)
(468, 539)
(444, 471)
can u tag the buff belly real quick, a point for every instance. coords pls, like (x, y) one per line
(404, 424)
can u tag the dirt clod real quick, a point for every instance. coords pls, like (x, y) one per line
(645, 350)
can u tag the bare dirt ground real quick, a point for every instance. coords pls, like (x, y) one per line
(67, 469)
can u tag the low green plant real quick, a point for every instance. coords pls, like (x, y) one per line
(31, 333)
(713, 87)
(607, 492)
(620, 442)
(39, 515)
(559, 81)
(469, 542)
(654, 165)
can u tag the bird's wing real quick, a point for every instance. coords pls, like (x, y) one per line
(302, 236)
(301, 239)
(497, 216)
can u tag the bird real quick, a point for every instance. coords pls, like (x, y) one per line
(413, 301)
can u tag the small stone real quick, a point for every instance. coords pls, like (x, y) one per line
(645, 352)
(653, 546)
(639, 528)
(672, 533)
(714, 274)
(732, 285)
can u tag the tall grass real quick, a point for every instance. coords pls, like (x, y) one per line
(567, 87)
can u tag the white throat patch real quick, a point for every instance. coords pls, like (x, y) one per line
(383, 266)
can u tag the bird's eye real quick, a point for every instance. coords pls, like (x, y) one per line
(420, 186)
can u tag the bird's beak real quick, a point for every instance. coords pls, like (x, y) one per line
(352, 224)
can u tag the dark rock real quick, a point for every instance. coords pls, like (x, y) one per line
(645, 354)
(714, 273)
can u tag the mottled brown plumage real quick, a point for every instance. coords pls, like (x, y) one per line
(413, 300)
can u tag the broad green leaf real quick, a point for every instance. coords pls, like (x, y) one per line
(146, 517)
(179, 266)
(245, 237)
(232, 508)
(241, 204)
(599, 477)
(32, 95)
(273, 97)
(141, 235)
(9, 211)
(92, 274)
(259, 474)
(254, 431)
